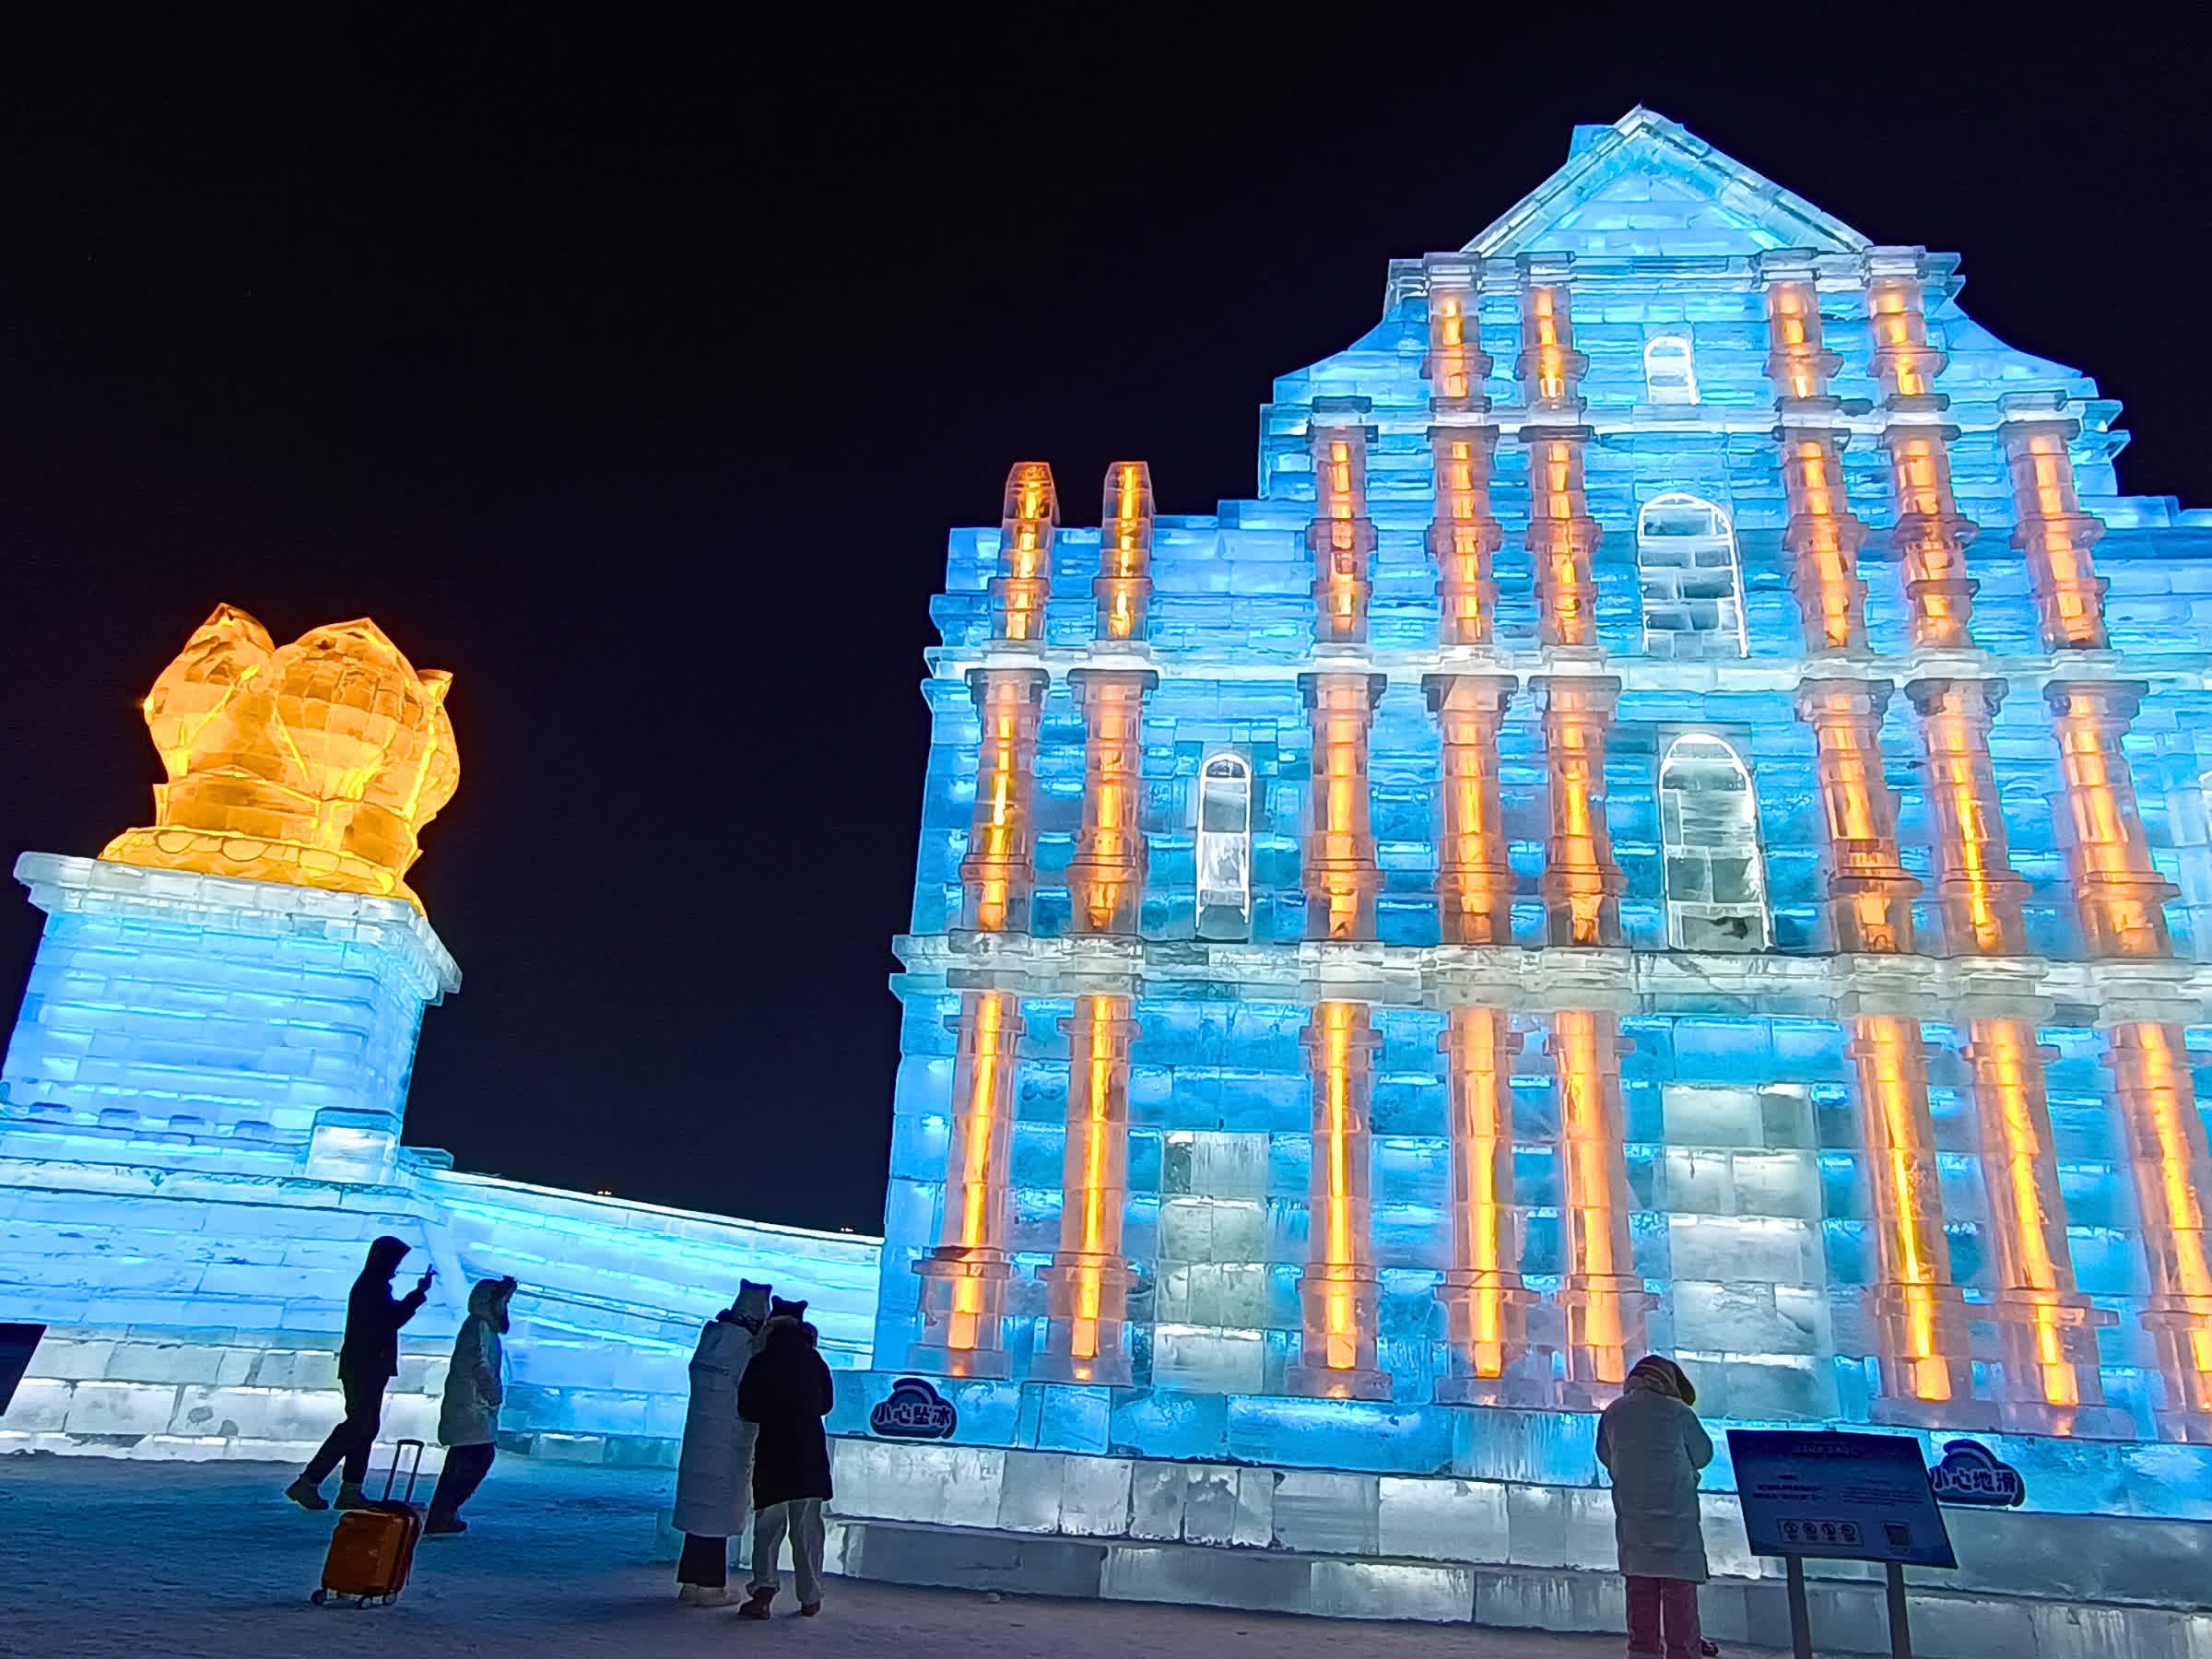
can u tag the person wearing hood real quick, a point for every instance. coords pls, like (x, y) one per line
(468, 1414)
(715, 1474)
(788, 1391)
(1651, 1443)
(368, 1358)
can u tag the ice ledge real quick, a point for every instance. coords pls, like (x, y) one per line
(60, 883)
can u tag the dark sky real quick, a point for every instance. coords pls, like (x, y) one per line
(635, 371)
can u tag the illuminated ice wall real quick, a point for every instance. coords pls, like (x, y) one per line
(1675, 819)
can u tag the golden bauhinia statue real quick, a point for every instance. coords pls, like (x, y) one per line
(316, 763)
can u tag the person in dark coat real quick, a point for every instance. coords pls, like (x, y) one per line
(366, 1360)
(787, 1391)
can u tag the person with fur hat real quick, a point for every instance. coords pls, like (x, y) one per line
(468, 1413)
(714, 1473)
(1651, 1443)
(788, 1391)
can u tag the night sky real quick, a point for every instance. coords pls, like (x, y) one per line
(635, 371)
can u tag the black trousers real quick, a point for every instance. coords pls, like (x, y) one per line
(704, 1561)
(355, 1437)
(465, 1467)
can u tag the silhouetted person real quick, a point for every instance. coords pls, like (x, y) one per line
(366, 1360)
(1651, 1441)
(788, 1391)
(714, 1476)
(468, 1414)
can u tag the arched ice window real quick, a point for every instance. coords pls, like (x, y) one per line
(1692, 585)
(1224, 848)
(1670, 374)
(1716, 885)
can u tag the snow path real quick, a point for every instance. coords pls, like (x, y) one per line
(109, 1558)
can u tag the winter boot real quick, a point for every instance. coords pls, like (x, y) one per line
(757, 1608)
(809, 1609)
(349, 1496)
(307, 1494)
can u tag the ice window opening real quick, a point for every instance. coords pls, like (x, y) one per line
(1224, 850)
(1716, 885)
(1670, 373)
(1691, 582)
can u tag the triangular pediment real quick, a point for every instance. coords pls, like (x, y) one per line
(1646, 187)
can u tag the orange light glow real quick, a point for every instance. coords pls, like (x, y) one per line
(2117, 890)
(1603, 1295)
(1474, 873)
(1905, 364)
(1562, 538)
(1549, 363)
(2056, 534)
(1465, 533)
(1087, 1284)
(996, 873)
(1981, 893)
(1336, 1291)
(1340, 538)
(1580, 883)
(1123, 585)
(1870, 895)
(1823, 538)
(1797, 362)
(1484, 1298)
(1106, 877)
(1931, 536)
(1027, 528)
(964, 1279)
(314, 764)
(2172, 1173)
(1456, 365)
(1339, 870)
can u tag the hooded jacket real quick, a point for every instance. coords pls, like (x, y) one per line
(475, 1383)
(788, 1391)
(370, 1351)
(1654, 1445)
(714, 1474)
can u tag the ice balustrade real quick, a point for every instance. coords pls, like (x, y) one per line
(1345, 1173)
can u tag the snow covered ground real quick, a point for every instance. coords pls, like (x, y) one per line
(208, 1561)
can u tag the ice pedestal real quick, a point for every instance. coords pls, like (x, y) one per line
(173, 1017)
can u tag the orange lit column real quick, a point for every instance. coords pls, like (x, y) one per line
(1026, 526)
(2052, 532)
(1917, 1314)
(2120, 898)
(1462, 439)
(1087, 1285)
(1341, 538)
(1822, 537)
(2046, 1327)
(1931, 535)
(1485, 1304)
(1106, 877)
(1338, 1290)
(1563, 537)
(1338, 870)
(964, 1279)
(1474, 874)
(1123, 584)
(1580, 883)
(996, 875)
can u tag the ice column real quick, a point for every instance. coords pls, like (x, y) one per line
(1580, 883)
(1123, 584)
(1106, 877)
(964, 1279)
(2120, 898)
(1336, 1292)
(1822, 537)
(1341, 537)
(1931, 535)
(1563, 537)
(2051, 1382)
(1087, 1285)
(1026, 526)
(1916, 1313)
(1462, 440)
(1338, 869)
(1485, 1306)
(996, 875)
(2052, 530)
(1475, 875)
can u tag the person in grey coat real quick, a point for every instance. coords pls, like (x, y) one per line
(714, 1474)
(1653, 1445)
(468, 1414)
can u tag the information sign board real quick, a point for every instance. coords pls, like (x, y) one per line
(1855, 1497)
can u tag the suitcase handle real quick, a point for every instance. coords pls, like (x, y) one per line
(414, 1469)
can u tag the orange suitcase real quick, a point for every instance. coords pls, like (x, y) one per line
(373, 1547)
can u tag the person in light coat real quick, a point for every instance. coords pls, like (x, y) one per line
(1651, 1443)
(714, 1476)
(468, 1414)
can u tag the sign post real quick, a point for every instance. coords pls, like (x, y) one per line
(1841, 1496)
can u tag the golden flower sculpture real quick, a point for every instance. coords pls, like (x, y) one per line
(316, 763)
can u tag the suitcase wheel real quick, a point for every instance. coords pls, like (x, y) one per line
(320, 1597)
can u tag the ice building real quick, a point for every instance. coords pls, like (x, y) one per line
(1674, 820)
(203, 1104)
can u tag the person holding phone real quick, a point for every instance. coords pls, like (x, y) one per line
(366, 1360)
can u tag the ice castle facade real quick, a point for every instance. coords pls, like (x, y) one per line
(1674, 820)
